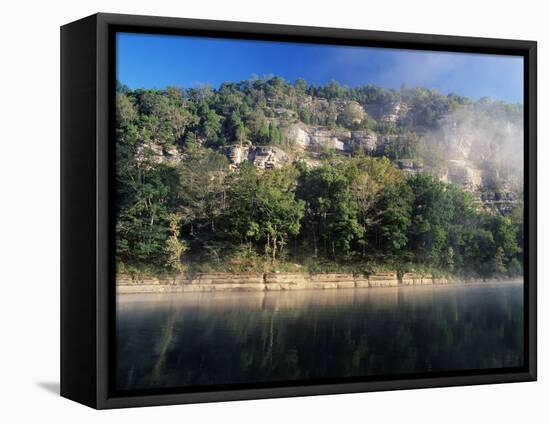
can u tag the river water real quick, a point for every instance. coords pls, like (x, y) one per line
(201, 339)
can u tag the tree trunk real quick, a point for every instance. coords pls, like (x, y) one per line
(274, 249)
(314, 243)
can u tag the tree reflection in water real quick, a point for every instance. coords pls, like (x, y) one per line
(243, 337)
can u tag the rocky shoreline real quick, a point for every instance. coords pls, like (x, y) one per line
(249, 281)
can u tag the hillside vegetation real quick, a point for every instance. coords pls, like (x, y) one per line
(267, 175)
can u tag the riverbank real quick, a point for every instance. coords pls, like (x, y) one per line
(283, 281)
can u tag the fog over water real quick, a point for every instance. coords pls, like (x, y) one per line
(202, 339)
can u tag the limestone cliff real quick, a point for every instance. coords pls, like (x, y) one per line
(474, 144)
(263, 157)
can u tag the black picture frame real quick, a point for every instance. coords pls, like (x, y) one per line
(87, 265)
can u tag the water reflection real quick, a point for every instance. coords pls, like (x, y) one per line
(240, 337)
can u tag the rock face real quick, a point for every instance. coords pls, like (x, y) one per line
(236, 154)
(503, 202)
(364, 140)
(263, 157)
(419, 279)
(327, 138)
(394, 113)
(463, 173)
(250, 281)
(299, 135)
(383, 279)
(267, 157)
(313, 104)
(462, 162)
(341, 140)
(283, 281)
(223, 282)
(155, 153)
(389, 112)
(410, 167)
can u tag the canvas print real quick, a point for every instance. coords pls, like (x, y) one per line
(294, 213)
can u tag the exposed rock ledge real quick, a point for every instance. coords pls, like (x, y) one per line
(208, 282)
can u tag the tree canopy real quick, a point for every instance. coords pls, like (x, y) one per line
(356, 212)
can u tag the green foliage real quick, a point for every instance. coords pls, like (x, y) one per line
(210, 125)
(404, 146)
(332, 209)
(305, 115)
(392, 214)
(275, 136)
(432, 212)
(300, 86)
(351, 116)
(201, 190)
(258, 126)
(175, 247)
(145, 198)
(348, 213)
(262, 209)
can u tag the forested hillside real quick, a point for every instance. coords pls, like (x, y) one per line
(267, 175)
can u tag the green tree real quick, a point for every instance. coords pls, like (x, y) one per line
(201, 191)
(305, 115)
(356, 209)
(274, 86)
(274, 134)
(331, 115)
(300, 86)
(175, 247)
(237, 129)
(499, 261)
(263, 135)
(163, 115)
(332, 208)
(431, 217)
(210, 124)
(393, 217)
(258, 126)
(144, 200)
(263, 208)
(351, 116)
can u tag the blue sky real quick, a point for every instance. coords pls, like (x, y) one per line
(156, 61)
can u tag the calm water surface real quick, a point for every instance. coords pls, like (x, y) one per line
(178, 340)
